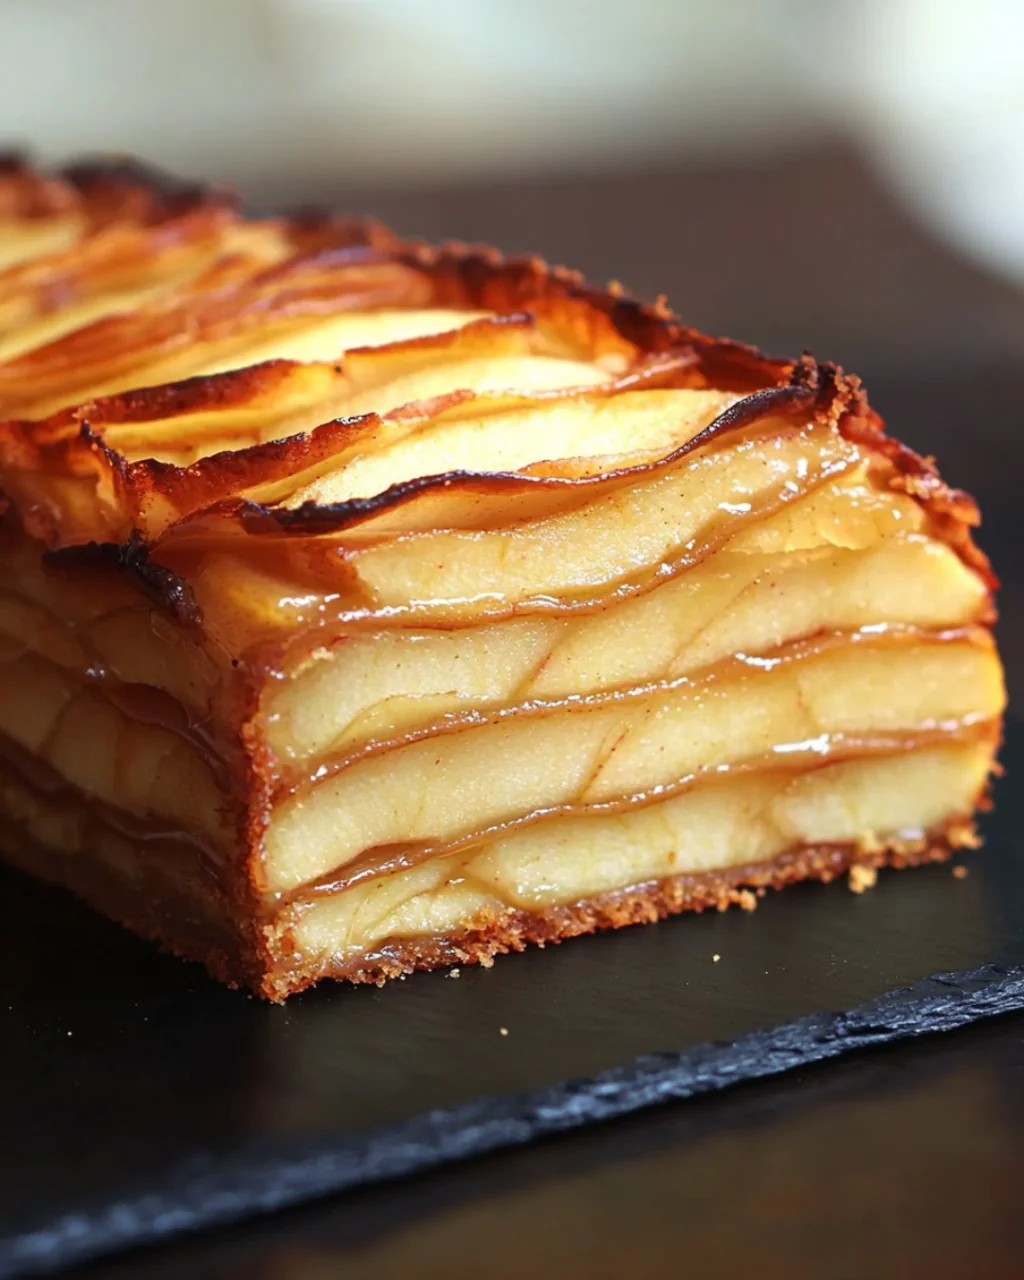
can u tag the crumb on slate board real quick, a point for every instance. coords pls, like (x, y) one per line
(862, 878)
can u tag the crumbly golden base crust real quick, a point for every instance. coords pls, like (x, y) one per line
(147, 904)
(514, 930)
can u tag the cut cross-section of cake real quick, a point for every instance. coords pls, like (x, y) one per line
(367, 606)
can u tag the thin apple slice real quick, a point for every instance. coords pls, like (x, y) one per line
(331, 337)
(115, 268)
(305, 309)
(22, 240)
(94, 746)
(718, 825)
(261, 588)
(510, 433)
(635, 528)
(574, 755)
(739, 820)
(376, 687)
(182, 422)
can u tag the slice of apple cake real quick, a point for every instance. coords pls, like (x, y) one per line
(366, 606)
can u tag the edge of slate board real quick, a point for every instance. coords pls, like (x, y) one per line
(208, 1192)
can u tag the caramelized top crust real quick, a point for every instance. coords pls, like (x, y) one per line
(26, 194)
(103, 445)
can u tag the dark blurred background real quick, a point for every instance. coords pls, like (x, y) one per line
(846, 175)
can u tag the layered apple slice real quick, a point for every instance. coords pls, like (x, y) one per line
(448, 605)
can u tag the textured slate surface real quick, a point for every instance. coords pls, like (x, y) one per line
(206, 1191)
(844, 1171)
(151, 1101)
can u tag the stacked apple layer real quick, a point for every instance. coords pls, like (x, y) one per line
(755, 651)
(684, 666)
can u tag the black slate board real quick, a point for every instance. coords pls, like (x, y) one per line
(142, 1100)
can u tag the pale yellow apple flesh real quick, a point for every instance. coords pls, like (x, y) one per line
(572, 756)
(22, 240)
(377, 687)
(726, 823)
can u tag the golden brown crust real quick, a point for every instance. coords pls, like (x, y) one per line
(131, 560)
(26, 194)
(103, 190)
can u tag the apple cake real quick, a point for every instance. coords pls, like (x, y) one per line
(368, 606)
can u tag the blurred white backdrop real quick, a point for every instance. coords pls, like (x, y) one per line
(272, 94)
